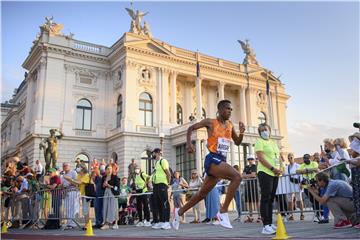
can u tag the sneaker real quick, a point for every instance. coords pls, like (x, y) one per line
(104, 227)
(316, 219)
(302, 217)
(224, 220)
(343, 224)
(206, 220)
(357, 226)
(166, 226)
(147, 224)
(291, 218)
(140, 224)
(322, 221)
(115, 226)
(176, 220)
(238, 219)
(273, 227)
(157, 225)
(268, 230)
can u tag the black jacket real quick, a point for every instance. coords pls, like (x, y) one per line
(115, 182)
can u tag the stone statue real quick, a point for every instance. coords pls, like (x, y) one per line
(49, 145)
(146, 30)
(133, 28)
(137, 17)
(53, 28)
(250, 57)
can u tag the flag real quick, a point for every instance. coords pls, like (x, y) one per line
(267, 87)
(197, 69)
(343, 169)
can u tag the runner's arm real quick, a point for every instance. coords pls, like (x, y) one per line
(204, 123)
(238, 138)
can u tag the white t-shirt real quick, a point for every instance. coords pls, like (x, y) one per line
(38, 168)
(285, 186)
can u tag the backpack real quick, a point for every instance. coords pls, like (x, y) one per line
(172, 176)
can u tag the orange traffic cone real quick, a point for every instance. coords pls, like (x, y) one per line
(280, 229)
(4, 228)
(89, 229)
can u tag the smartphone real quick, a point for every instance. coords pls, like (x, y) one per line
(321, 148)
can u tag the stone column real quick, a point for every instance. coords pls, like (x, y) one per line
(40, 90)
(198, 155)
(242, 97)
(251, 150)
(173, 97)
(221, 87)
(248, 107)
(198, 82)
(164, 97)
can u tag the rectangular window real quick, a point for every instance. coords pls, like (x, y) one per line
(79, 118)
(185, 162)
(87, 119)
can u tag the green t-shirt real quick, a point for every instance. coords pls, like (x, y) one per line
(124, 192)
(140, 181)
(271, 154)
(312, 164)
(159, 175)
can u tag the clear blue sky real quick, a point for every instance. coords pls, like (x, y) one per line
(314, 46)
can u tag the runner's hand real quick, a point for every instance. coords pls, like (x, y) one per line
(190, 148)
(241, 127)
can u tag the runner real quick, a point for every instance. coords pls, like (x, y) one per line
(220, 132)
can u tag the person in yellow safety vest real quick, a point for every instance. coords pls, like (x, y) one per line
(161, 179)
(142, 204)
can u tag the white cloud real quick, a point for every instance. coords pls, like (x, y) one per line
(306, 137)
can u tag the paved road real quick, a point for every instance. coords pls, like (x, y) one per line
(297, 230)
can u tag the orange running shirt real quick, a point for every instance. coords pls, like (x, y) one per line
(219, 141)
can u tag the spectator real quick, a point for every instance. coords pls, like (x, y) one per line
(39, 169)
(268, 170)
(82, 179)
(72, 196)
(56, 195)
(308, 170)
(355, 172)
(179, 183)
(340, 172)
(251, 189)
(161, 179)
(131, 171)
(195, 183)
(338, 197)
(316, 157)
(124, 194)
(22, 199)
(142, 205)
(295, 191)
(98, 204)
(34, 206)
(111, 184)
(94, 164)
(328, 153)
(281, 192)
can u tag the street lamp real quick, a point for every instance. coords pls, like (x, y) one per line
(161, 135)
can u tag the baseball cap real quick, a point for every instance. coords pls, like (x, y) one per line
(250, 157)
(356, 124)
(156, 150)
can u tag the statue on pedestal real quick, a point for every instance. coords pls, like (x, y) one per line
(49, 145)
(250, 57)
(135, 26)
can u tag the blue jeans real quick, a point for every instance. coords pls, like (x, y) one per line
(324, 207)
(237, 198)
(99, 211)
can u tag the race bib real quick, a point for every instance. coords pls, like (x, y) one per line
(223, 146)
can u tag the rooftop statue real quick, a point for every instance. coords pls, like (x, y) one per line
(135, 26)
(52, 27)
(250, 56)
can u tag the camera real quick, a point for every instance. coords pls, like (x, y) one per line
(310, 182)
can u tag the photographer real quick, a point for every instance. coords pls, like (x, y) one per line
(308, 170)
(338, 197)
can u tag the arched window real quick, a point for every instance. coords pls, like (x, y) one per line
(119, 111)
(83, 114)
(262, 117)
(179, 114)
(83, 157)
(146, 109)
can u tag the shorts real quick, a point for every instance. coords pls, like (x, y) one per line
(212, 158)
(297, 196)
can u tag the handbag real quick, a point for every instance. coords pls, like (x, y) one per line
(293, 180)
(90, 190)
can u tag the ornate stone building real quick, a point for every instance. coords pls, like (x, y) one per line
(116, 102)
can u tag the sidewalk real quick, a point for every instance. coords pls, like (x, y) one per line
(295, 229)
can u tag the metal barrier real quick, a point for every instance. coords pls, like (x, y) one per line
(65, 204)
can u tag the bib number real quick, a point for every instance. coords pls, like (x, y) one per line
(223, 146)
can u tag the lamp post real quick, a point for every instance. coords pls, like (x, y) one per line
(161, 135)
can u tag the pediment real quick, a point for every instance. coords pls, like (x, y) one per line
(149, 45)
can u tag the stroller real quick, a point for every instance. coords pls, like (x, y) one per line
(128, 215)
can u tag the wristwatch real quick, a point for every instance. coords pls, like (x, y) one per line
(272, 168)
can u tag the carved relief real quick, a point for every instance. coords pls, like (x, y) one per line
(146, 77)
(261, 100)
